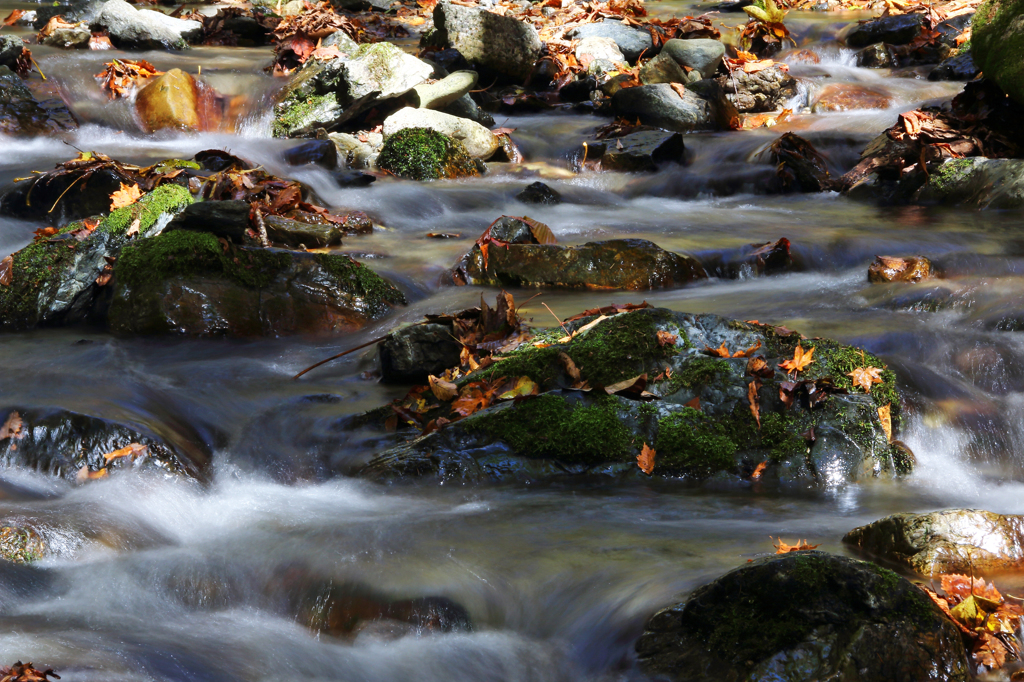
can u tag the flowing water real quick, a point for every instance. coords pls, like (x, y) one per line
(157, 579)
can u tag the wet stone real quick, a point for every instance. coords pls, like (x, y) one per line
(539, 193)
(661, 106)
(11, 49)
(170, 101)
(20, 545)
(890, 269)
(639, 151)
(20, 114)
(410, 354)
(895, 30)
(848, 97)
(424, 154)
(877, 56)
(632, 42)
(804, 616)
(976, 181)
(765, 90)
(959, 67)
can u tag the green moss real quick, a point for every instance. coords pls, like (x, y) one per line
(378, 292)
(948, 174)
(168, 165)
(619, 348)
(378, 58)
(697, 372)
(423, 154)
(692, 443)
(166, 198)
(21, 545)
(997, 41)
(548, 427)
(299, 111)
(780, 434)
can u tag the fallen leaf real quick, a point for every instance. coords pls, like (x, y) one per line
(13, 427)
(44, 232)
(720, 352)
(885, 416)
(755, 409)
(783, 548)
(132, 450)
(7, 271)
(569, 365)
(133, 229)
(125, 196)
(665, 338)
(758, 470)
(645, 460)
(800, 360)
(746, 353)
(695, 403)
(523, 386)
(864, 377)
(582, 330)
(635, 385)
(85, 475)
(13, 17)
(442, 390)
(757, 366)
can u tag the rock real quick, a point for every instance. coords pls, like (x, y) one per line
(61, 443)
(890, 269)
(77, 36)
(539, 193)
(381, 68)
(11, 49)
(297, 233)
(183, 282)
(361, 5)
(632, 42)
(639, 151)
(410, 354)
(501, 44)
(20, 114)
(960, 67)
(877, 56)
(800, 617)
(847, 97)
(752, 260)
(480, 142)
(352, 152)
(598, 48)
(898, 29)
(133, 29)
(465, 107)
(21, 545)
(997, 39)
(632, 264)
(422, 154)
(663, 69)
(798, 165)
(323, 153)
(661, 106)
(170, 101)
(703, 54)
(444, 92)
(564, 432)
(765, 90)
(227, 219)
(54, 281)
(976, 181)
(952, 541)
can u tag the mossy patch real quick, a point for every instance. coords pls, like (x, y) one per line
(167, 198)
(691, 442)
(780, 435)
(424, 154)
(21, 545)
(950, 173)
(301, 110)
(377, 291)
(698, 371)
(548, 427)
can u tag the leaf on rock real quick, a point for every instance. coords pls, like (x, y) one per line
(748, 352)
(569, 365)
(885, 416)
(541, 232)
(132, 451)
(125, 196)
(610, 310)
(800, 359)
(665, 338)
(695, 403)
(757, 366)
(755, 409)
(645, 460)
(442, 390)
(7, 271)
(783, 548)
(13, 427)
(633, 387)
(24, 672)
(720, 352)
(84, 474)
(864, 377)
(523, 386)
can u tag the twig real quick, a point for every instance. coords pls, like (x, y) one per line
(36, 64)
(335, 357)
(261, 227)
(65, 191)
(557, 319)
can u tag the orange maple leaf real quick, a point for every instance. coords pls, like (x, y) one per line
(126, 196)
(800, 359)
(865, 377)
(645, 460)
(720, 352)
(783, 548)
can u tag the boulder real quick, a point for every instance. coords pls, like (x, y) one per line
(765, 90)
(352, 152)
(539, 193)
(54, 280)
(897, 29)
(888, 269)
(62, 443)
(632, 42)
(76, 36)
(323, 153)
(20, 114)
(501, 44)
(825, 438)
(877, 56)
(644, 150)
(664, 69)
(480, 142)
(952, 541)
(11, 49)
(410, 354)
(631, 264)
(801, 617)
(382, 69)
(847, 97)
(297, 233)
(976, 181)
(959, 67)
(423, 154)
(170, 101)
(799, 167)
(702, 54)
(662, 106)
(228, 219)
(444, 92)
(465, 107)
(134, 29)
(184, 282)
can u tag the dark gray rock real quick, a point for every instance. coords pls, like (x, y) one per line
(976, 181)
(632, 42)
(465, 107)
(764, 90)
(409, 355)
(227, 219)
(877, 56)
(661, 106)
(640, 151)
(134, 29)
(502, 44)
(539, 193)
(296, 233)
(800, 617)
(959, 67)
(662, 69)
(897, 29)
(11, 48)
(21, 115)
(322, 153)
(703, 54)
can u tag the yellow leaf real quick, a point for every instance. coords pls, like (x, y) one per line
(133, 450)
(885, 416)
(645, 460)
(968, 612)
(800, 360)
(442, 390)
(523, 386)
(126, 196)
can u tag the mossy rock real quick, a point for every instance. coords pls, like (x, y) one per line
(54, 280)
(700, 423)
(21, 545)
(423, 154)
(997, 43)
(186, 282)
(804, 616)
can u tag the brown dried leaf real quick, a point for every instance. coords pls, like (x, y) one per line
(569, 365)
(645, 460)
(800, 360)
(755, 409)
(783, 548)
(885, 416)
(13, 427)
(7, 271)
(864, 377)
(442, 390)
(720, 352)
(132, 450)
(666, 339)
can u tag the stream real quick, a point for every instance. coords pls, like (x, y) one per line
(154, 578)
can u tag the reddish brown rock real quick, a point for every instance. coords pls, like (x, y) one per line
(847, 97)
(894, 269)
(170, 101)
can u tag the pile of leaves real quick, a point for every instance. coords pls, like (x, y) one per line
(765, 34)
(989, 622)
(121, 77)
(24, 672)
(981, 121)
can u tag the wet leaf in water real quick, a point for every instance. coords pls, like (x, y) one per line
(13, 427)
(133, 451)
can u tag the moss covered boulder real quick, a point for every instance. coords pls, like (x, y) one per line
(814, 429)
(997, 43)
(57, 281)
(423, 154)
(803, 617)
(185, 282)
(949, 541)
(976, 181)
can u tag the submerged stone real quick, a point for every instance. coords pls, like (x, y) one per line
(894, 30)
(976, 181)
(20, 114)
(889, 269)
(803, 617)
(539, 193)
(21, 545)
(952, 541)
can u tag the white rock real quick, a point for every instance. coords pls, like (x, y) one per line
(445, 91)
(595, 47)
